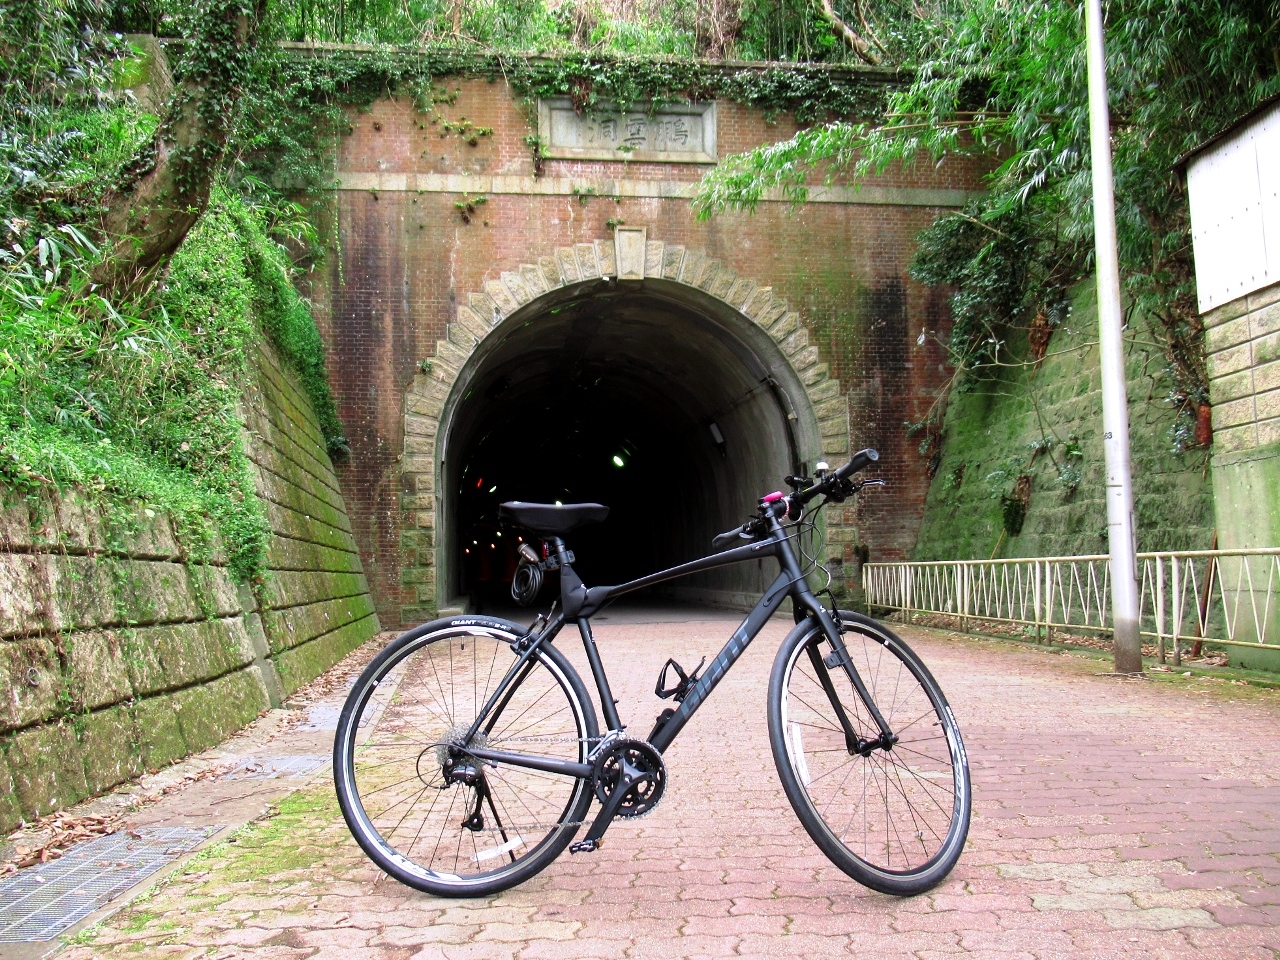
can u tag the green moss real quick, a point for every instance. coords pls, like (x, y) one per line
(1045, 421)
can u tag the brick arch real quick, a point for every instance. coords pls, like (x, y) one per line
(628, 256)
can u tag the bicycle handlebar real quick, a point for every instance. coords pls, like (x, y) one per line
(827, 485)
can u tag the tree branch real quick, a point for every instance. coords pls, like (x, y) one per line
(856, 43)
(148, 216)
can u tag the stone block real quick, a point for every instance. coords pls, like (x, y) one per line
(160, 741)
(784, 326)
(568, 264)
(10, 812)
(824, 390)
(1263, 321)
(297, 625)
(672, 258)
(1232, 387)
(742, 290)
(607, 257)
(304, 663)
(48, 773)
(833, 427)
(795, 341)
(1268, 432)
(96, 673)
(30, 682)
(177, 655)
(1227, 311)
(211, 712)
(588, 266)
(24, 593)
(110, 748)
(837, 446)
(721, 284)
(1227, 334)
(515, 285)
(1267, 405)
(1229, 361)
(1266, 377)
(549, 267)
(506, 303)
(1263, 297)
(1266, 348)
(710, 270)
(533, 279)
(461, 337)
(1233, 414)
(833, 408)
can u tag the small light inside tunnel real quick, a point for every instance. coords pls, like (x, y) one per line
(716, 435)
(468, 550)
(559, 504)
(493, 546)
(493, 488)
(480, 483)
(499, 533)
(617, 461)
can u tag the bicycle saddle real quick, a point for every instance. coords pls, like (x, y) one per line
(550, 520)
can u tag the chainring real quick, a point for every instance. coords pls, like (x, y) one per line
(642, 797)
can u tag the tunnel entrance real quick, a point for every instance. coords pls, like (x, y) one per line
(642, 397)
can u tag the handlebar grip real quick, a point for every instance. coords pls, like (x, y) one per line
(861, 460)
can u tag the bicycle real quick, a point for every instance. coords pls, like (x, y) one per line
(468, 751)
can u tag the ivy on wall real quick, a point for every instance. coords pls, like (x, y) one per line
(298, 100)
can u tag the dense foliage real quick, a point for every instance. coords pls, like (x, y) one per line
(131, 397)
(1010, 80)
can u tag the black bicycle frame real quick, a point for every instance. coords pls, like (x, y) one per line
(790, 582)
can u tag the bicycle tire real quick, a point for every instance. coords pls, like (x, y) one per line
(919, 790)
(416, 698)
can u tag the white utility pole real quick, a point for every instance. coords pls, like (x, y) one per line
(1115, 402)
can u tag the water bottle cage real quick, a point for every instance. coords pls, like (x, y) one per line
(680, 689)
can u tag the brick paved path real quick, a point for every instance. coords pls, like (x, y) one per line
(1111, 818)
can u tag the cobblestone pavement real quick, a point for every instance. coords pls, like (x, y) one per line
(1112, 818)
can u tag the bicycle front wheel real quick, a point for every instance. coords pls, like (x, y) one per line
(425, 812)
(894, 819)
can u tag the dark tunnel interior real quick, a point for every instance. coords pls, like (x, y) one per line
(629, 399)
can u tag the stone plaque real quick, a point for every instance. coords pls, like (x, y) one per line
(676, 133)
(630, 244)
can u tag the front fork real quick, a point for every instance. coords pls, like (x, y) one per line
(803, 598)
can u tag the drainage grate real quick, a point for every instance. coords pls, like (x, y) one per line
(40, 902)
(270, 768)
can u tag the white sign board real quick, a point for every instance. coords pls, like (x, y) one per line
(676, 133)
(1234, 188)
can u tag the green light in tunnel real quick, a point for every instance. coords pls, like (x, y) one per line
(617, 461)
(493, 488)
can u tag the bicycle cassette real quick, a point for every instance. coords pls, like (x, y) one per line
(640, 761)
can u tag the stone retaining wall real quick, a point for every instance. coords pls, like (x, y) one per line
(1242, 348)
(118, 654)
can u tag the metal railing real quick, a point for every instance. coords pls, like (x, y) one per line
(1212, 596)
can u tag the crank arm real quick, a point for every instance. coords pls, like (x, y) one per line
(592, 841)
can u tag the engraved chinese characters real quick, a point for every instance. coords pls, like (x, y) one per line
(678, 133)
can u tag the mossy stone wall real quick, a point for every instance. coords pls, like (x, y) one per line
(119, 654)
(990, 439)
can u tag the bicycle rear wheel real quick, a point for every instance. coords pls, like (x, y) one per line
(895, 820)
(420, 808)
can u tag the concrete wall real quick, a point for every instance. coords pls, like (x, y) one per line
(991, 429)
(409, 261)
(117, 655)
(1242, 343)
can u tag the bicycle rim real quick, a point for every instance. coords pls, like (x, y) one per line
(499, 823)
(895, 820)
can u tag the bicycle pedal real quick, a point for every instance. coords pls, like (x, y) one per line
(586, 846)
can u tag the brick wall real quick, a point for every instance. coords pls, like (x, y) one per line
(117, 655)
(407, 258)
